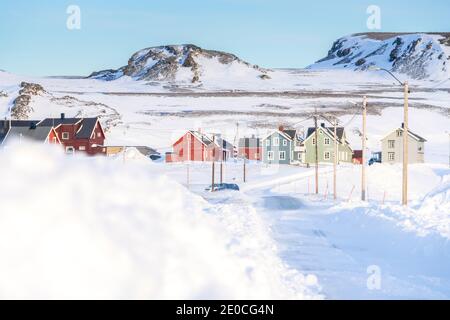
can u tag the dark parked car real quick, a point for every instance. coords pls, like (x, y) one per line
(224, 186)
(376, 158)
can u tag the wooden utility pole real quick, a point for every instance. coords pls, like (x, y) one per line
(245, 169)
(213, 162)
(335, 160)
(221, 172)
(405, 146)
(363, 168)
(316, 137)
(188, 160)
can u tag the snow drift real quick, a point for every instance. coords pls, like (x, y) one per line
(87, 228)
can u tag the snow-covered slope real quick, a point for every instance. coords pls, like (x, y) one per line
(418, 55)
(182, 63)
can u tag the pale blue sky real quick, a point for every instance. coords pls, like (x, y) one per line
(34, 39)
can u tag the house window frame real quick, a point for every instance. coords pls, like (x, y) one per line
(276, 142)
(70, 150)
(282, 153)
(268, 143)
(391, 144)
(391, 156)
(65, 135)
(270, 155)
(326, 141)
(327, 153)
(285, 142)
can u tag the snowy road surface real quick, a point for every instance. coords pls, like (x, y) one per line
(342, 243)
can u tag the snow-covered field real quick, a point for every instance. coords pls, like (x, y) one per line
(96, 228)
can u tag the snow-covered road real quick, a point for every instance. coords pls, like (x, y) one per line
(350, 244)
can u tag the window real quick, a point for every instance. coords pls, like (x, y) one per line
(276, 142)
(299, 156)
(70, 150)
(282, 155)
(327, 155)
(270, 155)
(99, 134)
(326, 141)
(284, 142)
(82, 148)
(399, 133)
(268, 143)
(391, 156)
(65, 136)
(391, 144)
(313, 141)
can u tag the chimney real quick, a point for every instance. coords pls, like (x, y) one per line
(322, 125)
(63, 116)
(281, 128)
(403, 125)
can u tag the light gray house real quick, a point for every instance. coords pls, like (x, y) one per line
(282, 147)
(392, 147)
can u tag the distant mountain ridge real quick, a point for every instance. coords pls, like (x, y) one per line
(184, 63)
(417, 55)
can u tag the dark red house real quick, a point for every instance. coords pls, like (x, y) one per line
(78, 134)
(250, 148)
(357, 157)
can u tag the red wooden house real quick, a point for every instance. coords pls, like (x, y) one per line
(357, 157)
(78, 134)
(250, 148)
(195, 146)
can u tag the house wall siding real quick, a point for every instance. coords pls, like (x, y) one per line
(416, 149)
(345, 153)
(277, 149)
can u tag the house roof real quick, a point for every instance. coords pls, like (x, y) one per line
(36, 134)
(288, 134)
(410, 133)
(85, 131)
(56, 122)
(87, 127)
(330, 130)
(249, 142)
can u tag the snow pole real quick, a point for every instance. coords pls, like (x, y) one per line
(351, 193)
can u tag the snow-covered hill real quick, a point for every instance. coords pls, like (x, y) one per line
(418, 55)
(183, 63)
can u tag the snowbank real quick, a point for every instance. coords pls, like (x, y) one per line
(87, 228)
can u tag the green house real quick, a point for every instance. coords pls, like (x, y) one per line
(325, 144)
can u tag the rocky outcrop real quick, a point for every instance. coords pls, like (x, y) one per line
(169, 63)
(418, 56)
(22, 104)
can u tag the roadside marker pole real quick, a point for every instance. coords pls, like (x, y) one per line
(405, 145)
(213, 164)
(316, 153)
(363, 168)
(351, 193)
